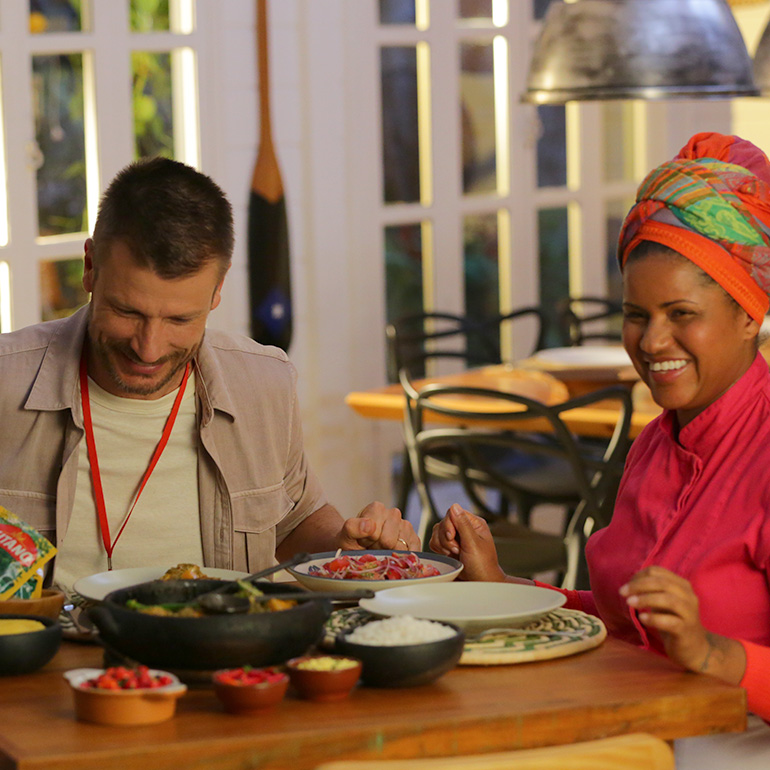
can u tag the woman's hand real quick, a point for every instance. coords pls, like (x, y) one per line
(379, 527)
(667, 602)
(467, 537)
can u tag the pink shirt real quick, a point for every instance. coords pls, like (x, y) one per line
(700, 507)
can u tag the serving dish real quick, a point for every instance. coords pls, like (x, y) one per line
(123, 707)
(27, 652)
(324, 684)
(48, 604)
(96, 587)
(585, 356)
(211, 642)
(474, 607)
(447, 567)
(404, 665)
(240, 697)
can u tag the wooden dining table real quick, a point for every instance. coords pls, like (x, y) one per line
(610, 690)
(550, 386)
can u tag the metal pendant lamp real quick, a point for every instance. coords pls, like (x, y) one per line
(762, 63)
(639, 49)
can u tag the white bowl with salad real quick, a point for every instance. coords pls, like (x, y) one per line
(373, 569)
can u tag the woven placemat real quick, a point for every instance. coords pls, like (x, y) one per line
(555, 635)
(540, 640)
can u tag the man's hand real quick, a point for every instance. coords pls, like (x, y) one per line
(467, 537)
(379, 527)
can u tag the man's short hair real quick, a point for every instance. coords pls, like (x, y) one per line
(173, 218)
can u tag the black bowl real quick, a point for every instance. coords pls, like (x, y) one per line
(25, 653)
(406, 665)
(209, 642)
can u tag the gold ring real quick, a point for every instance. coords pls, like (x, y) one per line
(401, 540)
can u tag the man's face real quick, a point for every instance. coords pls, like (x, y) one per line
(143, 329)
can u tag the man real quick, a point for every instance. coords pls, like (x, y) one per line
(132, 436)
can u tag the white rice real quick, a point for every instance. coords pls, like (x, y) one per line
(400, 630)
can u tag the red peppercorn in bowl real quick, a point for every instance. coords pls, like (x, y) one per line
(247, 690)
(124, 696)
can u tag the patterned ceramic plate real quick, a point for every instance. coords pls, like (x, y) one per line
(555, 635)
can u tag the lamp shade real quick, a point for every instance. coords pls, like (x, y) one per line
(762, 63)
(639, 49)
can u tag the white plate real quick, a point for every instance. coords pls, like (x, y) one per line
(585, 356)
(96, 587)
(448, 567)
(472, 606)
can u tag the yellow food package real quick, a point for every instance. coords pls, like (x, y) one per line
(23, 553)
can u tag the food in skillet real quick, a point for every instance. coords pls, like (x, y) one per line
(192, 610)
(369, 566)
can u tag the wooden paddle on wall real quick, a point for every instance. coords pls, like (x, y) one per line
(268, 236)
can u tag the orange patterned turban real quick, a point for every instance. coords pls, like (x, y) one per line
(711, 203)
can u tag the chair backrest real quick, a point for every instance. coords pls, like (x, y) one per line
(589, 319)
(415, 340)
(478, 423)
(637, 751)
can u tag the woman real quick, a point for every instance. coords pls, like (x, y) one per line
(684, 566)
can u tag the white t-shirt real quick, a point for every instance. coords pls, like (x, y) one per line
(164, 528)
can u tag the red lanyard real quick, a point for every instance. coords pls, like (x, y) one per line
(96, 475)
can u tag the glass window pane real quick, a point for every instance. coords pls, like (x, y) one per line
(477, 114)
(615, 214)
(554, 267)
(55, 16)
(400, 135)
(153, 104)
(403, 279)
(618, 140)
(477, 10)
(552, 146)
(150, 16)
(482, 280)
(60, 135)
(540, 7)
(403, 270)
(397, 12)
(61, 287)
(5, 297)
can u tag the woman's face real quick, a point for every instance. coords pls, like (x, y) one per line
(687, 339)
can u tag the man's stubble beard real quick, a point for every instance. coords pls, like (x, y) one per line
(101, 350)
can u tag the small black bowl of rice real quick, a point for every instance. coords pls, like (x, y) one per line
(403, 651)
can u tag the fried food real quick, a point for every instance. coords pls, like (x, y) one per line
(184, 572)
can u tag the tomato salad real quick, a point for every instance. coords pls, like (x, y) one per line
(123, 678)
(368, 566)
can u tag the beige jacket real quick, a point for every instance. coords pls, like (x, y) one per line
(254, 481)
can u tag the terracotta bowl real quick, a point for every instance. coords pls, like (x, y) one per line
(324, 684)
(48, 605)
(27, 652)
(123, 707)
(249, 698)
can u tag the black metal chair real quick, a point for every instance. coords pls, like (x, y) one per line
(432, 343)
(590, 319)
(469, 451)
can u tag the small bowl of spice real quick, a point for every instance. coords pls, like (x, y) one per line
(124, 696)
(403, 651)
(249, 690)
(324, 677)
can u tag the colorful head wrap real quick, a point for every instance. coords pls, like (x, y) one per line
(711, 204)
